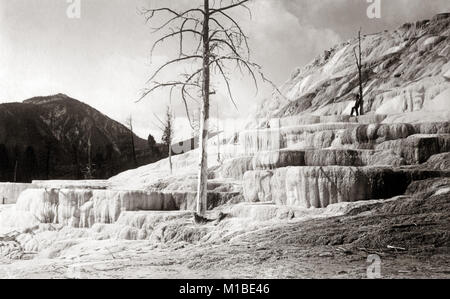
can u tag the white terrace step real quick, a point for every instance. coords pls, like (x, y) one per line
(336, 135)
(190, 184)
(83, 208)
(317, 135)
(237, 167)
(72, 184)
(319, 187)
(316, 119)
(377, 133)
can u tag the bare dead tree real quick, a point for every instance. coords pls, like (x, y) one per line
(89, 167)
(16, 165)
(218, 134)
(133, 148)
(359, 65)
(49, 145)
(220, 43)
(195, 122)
(167, 128)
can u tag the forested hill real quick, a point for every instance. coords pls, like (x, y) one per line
(52, 138)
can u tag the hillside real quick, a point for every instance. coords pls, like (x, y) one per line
(49, 139)
(406, 70)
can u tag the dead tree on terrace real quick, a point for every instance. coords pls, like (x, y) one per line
(133, 148)
(359, 65)
(167, 128)
(220, 43)
(89, 170)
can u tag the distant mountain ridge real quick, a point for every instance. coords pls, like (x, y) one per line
(49, 137)
(81, 114)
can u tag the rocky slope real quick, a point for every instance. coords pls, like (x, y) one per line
(405, 70)
(49, 136)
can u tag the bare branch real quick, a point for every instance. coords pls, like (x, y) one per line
(230, 94)
(184, 92)
(172, 62)
(248, 65)
(156, 29)
(228, 32)
(233, 5)
(162, 39)
(232, 47)
(241, 32)
(163, 85)
(150, 13)
(356, 58)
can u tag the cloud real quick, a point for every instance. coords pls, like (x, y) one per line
(345, 16)
(281, 42)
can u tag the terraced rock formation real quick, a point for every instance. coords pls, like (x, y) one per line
(405, 70)
(353, 162)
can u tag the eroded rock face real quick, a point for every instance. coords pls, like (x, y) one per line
(439, 162)
(417, 149)
(428, 187)
(278, 159)
(83, 208)
(109, 204)
(319, 187)
(235, 168)
(74, 207)
(432, 128)
(278, 184)
(257, 187)
(383, 158)
(145, 226)
(325, 157)
(376, 133)
(334, 157)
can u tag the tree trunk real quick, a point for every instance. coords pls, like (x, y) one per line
(89, 170)
(47, 162)
(15, 171)
(170, 157)
(76, 162)
(361, 92)
(132, 143)
(49, 146)
(202, 188)
(218, 135)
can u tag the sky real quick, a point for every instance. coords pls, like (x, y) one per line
(102, 58)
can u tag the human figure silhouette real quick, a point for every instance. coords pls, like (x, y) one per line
(357, 105)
